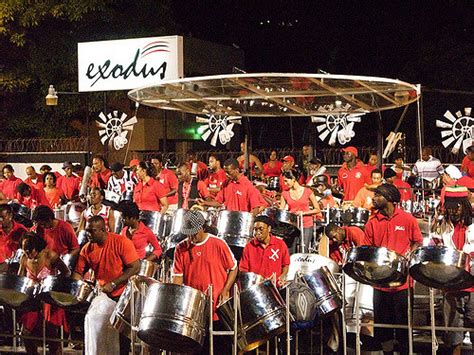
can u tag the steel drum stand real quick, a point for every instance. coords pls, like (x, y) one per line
(234, 332)
(434, 340)
(300, 226)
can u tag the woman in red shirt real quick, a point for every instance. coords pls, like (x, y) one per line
(299, 199)
(53, 194)
(149, 194)
(10, 183)
(272, 168)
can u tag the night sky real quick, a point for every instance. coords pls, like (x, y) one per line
(426, 42)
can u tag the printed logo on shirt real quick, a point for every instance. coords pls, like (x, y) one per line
(238, 192)
(274, 255)
(198, 253)
(344, 175)
(358, 175)
(399, 228)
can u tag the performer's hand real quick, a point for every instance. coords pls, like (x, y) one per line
(224, 296)
(200, 201)
(282, 280)
(108, 287)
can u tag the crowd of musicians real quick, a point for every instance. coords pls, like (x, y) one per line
(111, 256)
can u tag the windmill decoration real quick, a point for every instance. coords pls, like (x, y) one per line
(336, 123)
(218, 126)
(115, 127)
(459, 129)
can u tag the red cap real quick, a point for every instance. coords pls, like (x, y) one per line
(350, 149)
(288, 158)
(134, 162)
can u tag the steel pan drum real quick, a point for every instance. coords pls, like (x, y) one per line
(60, 214)
(148, 268)
(235, 227)
(248, 279)
(376, 266)
(274, 183)
(366, 305)
(165, 226)
(355, 216)
(121, 318)
(307, 263)
(152, 219)
(334, 215)
(263, 315)
(16, 291)
(118, 222)
(327, 292)
(65, 291)
(441, 267)
(82, 238)
(286, 223)
(174, 318)
(73, 212)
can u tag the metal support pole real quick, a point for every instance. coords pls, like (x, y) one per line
(287, 301)
(301, 226)
(236, 313)
(434, 340)
(132, 318)
(297, 344)
(14, 331)
(211, 319)
(410, 318)
(344, 326)
(44, 335)
(357, 319)
(419, 121)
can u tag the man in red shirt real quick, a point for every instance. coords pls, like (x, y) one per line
(202, 260)
(31, 197)
(59, 235)
(138, 232)
(113, 259)
(398, 231)
(101, 174)
(342, 239)
(201, 171)
(216, 177)
(10, 183)
(169, 181)
(390, 177)
(352, 175)
(69, 183)
(34, 180)
(467, 165)
(265, 254)
(190, 189)
(237, 193)
(10, 233)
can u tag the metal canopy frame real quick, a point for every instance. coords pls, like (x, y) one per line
(277, 94)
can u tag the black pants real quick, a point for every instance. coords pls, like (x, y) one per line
(391, 308)
(222, 343)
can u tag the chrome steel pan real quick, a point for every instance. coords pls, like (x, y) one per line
(274, 183)
(152, 219)
(15, 291)
(174, 318)
(355, 216)
(327, 292)
(286, 223)
(175, 236)
(307, 263)
(235, 227)
(148, 268)
(263, 315)
(376, 266)
(64, 291)
(121, 318)
(441, 267)
(248, 279)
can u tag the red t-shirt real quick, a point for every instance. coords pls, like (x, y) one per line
(215, 180)
(265, 261)
(9, 187)
(100, 179)
(141, 238)
(210, 262)
(239, 195)
(272, 171)
(54, 196)
(468, 166)
(37, 197)
(147, 195)
(404, 188)
(354, 237)
(69, 185)
(108, 260)
(352, 180)
(61, 239)
(397, 233)
(10, 243)
(38, 184)
(459, 239)
(300, 205)
(170, 182)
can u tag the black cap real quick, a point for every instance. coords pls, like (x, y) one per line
(389, 173)
(116, 166)
(265, 219)
(67, 164)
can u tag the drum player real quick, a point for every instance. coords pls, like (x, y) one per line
(237, 193)
(456, 230)
(113, 259)
(396, 230)
(203, 259)
(352, 175)
(138, 232)
(189, 189)
(342, 239)
(216, 176)
(265, 254)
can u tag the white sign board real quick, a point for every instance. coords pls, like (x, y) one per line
(129, 63)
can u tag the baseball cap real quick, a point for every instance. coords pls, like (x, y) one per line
(350, 149)
(454, 172)
(134, 162)
(67, 164)
(288, 158)
(116, 166)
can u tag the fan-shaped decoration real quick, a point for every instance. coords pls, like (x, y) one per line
(218, 126)
(115, 127)
(336, 123)
(459, 129)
